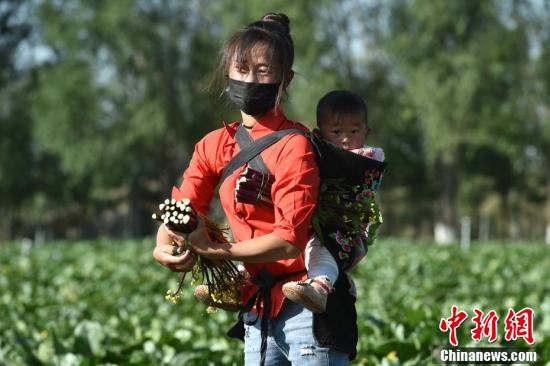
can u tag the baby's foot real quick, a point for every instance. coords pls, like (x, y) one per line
(311, 293)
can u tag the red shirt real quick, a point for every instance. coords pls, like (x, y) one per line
(292, 161)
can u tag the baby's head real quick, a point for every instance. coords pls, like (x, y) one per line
(342, 119)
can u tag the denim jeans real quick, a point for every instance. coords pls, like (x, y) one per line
(290, 340)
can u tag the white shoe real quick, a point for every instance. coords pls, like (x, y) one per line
(311, 293)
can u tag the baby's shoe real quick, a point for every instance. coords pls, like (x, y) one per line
(311, 293)
(203, 295)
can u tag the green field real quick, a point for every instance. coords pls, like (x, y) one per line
(102, 303)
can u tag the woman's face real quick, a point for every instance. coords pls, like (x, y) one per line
(261, 70)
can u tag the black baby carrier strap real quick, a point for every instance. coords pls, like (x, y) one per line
(243, 140)
(334, 162)
(253, 148)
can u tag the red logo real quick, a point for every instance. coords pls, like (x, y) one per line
(485, 326)
(452, 323)
(516, 325)
(519, 325)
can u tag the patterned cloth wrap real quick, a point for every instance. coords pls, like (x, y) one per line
(373, 183)
(346, 248)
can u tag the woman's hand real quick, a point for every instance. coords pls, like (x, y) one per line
(200, 242)
(175, 236)
(164, 253)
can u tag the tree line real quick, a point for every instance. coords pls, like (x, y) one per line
(101, 103)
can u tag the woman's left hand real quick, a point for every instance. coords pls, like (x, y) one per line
(200, 242)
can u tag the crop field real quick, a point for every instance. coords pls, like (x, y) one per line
(102, 303)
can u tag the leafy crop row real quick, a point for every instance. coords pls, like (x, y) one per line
(102, 303)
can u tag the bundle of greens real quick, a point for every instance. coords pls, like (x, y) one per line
(222, 277)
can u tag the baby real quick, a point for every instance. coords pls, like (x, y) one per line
(341, 120)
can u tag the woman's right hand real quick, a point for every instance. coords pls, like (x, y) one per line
(164, 253)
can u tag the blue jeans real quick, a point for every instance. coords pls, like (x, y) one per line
(290, 340)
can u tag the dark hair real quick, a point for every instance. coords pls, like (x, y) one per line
(339, 102)
(273, 29)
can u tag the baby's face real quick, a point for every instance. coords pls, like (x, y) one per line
(348, 131)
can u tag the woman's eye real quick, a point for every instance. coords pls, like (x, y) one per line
(336, 132)
(355, 131)
(242, 69)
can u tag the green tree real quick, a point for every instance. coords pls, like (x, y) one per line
(117, 102)
(541, 118)
(462, 68)
(123, 100)
(16, 157)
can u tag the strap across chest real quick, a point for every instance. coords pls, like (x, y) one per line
(253, 186)
(253, 148)
(243, 140)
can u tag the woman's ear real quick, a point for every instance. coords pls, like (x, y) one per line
(367, 132)
(289, 78)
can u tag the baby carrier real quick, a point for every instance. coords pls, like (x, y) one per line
(346, 216)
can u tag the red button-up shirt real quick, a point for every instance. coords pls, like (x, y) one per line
(294, 192)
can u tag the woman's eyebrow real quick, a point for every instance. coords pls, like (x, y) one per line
(263, 64)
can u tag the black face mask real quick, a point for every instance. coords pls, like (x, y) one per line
(253, 98)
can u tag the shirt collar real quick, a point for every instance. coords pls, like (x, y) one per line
(231, 128)
(269, 122)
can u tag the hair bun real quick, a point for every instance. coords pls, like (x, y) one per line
(278, 18)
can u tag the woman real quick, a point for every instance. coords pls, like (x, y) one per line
(269, 240)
